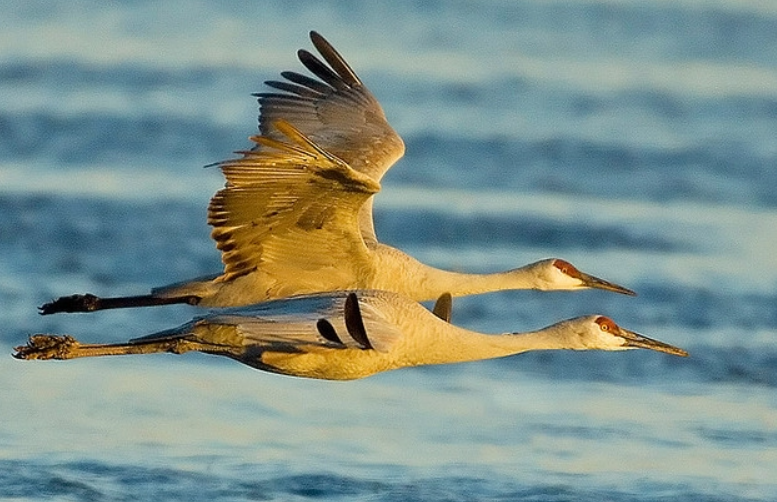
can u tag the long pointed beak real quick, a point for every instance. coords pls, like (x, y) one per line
(637, 341)
(591, 281)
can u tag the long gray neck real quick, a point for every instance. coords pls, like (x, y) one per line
(461, 345)
(428, 283)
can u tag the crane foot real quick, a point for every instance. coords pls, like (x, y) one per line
(72, 303)
(47, 347)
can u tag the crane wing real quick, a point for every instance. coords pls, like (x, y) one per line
(297, 322)
(289, 206)
(337, 112)
(292, 325)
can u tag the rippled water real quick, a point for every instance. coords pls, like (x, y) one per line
(636, 139)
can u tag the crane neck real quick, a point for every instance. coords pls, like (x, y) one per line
(462, 345)
(463, 284)
(428, 283)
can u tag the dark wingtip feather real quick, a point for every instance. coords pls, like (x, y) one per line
(443, 307)
(291, 88)
(326, 330)
(354, 322)
(321, 70)
(335, 60)
(305, 81)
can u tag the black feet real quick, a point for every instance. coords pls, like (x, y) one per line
(73, 303)
(90, 303)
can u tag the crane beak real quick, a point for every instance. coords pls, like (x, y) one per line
(590, 281)
(637, 341)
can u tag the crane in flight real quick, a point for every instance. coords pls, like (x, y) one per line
(287, 224)
(345, 335)
(295, 216)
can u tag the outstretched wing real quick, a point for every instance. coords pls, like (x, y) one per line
(334, 320)
(337, 112)
(287, 207)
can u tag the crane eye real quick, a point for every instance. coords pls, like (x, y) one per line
(605, 324)
(560, 265)
(565, 268)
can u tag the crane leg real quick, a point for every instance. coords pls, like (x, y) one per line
(67, 347)
(90, 303)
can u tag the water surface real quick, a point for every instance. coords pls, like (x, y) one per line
(634, 139)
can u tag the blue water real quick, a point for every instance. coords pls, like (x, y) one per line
(636, 139)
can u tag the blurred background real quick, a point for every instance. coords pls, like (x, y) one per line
(636, 139)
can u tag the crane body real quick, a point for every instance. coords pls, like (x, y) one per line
(347, 335)
(295, 215)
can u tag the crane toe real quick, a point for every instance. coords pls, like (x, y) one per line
(46, 347)
(72, 303)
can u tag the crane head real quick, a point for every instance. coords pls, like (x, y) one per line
(558, 274)
(601, 332)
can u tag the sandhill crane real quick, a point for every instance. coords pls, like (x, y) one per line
(347, 335)
(326, 241)
(286, 224)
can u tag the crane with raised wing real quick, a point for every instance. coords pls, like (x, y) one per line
(295, 216)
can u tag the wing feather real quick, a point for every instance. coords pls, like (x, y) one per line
(337, 112)
(299, 90)
(294, 322)
(334, 59)
(321, 70)
(289, 205)
(341, 114)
